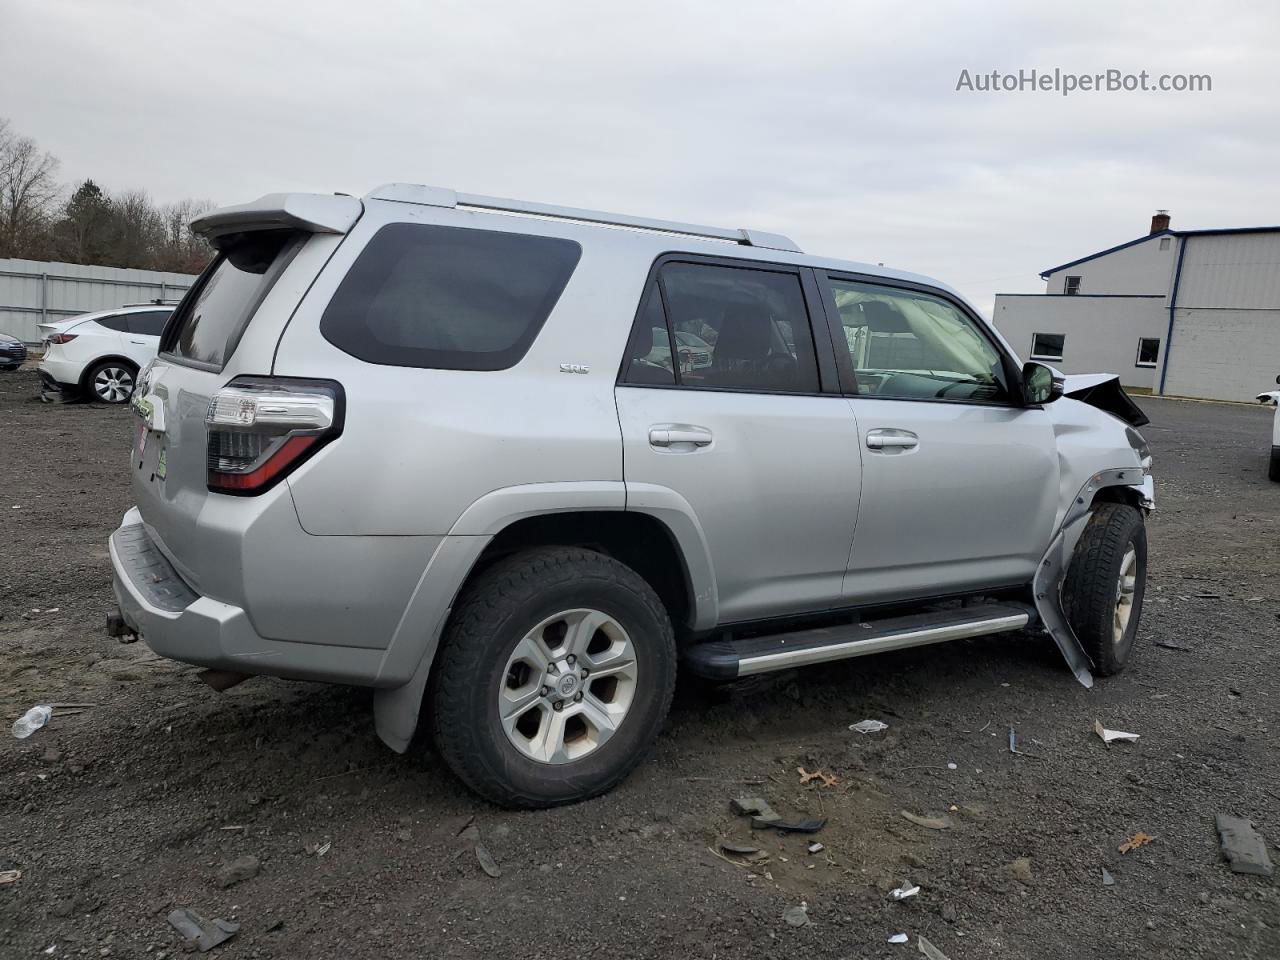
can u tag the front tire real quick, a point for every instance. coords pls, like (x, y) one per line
(555, 675)
(1105, 585)
(111, 381)
(1273, 471)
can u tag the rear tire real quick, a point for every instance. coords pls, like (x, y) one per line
(1273, 471)
(111, 381)
(494, 690)
(1105, 585)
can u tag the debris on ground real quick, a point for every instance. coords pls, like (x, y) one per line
(241, 868)
(1243, 846)
(1170, 645)
(1107, 879)
(929, 950)
(827, 779)
(1109, 735)
(10, 876)
(318, 849)
(744, 851)
(904, 891)
(764, 817)
(816, 847)
(31, 721)
(899, 938)
(1020, 870)
(949, 913)
(868, 726)
(206, 934)
(1137, 840)
(797, 916)
(929, 823)
(952, 766)
(487, 863)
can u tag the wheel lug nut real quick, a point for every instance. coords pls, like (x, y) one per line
(551, 668)
(559, 705)
(585, 673)
(571, 659)
(545, 691)
(578, 697)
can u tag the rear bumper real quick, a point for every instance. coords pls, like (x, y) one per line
(52, 389)
(178, 623)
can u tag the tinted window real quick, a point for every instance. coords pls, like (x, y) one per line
(738, 328)
(210, 321)
(448, 297)
(649, 352)
(148, 324)
(912, 346)
(120, 322)
(1048, 346)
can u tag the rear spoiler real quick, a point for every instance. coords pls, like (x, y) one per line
(310, 212)
(1103, 390)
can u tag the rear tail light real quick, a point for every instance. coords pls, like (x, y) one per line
(262, 428)
(62, 337)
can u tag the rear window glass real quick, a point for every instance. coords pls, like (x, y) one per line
(450, 298)
(119, 323)
(212, 317)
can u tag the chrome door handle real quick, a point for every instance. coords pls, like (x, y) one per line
(667, 434)
(892, 440)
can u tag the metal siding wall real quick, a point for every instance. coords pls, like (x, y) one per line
(1233, 271)
(1101, 332)
(1141, 269)
(1223, 354)
(72, 289)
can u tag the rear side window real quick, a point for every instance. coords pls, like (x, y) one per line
(728, 328)
(213, 316)
(149, 324)
(448, 298)
(119, 323)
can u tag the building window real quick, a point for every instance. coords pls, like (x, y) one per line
(1047, 346)
(1164, 243)
(1072, 286)
(1148, 351)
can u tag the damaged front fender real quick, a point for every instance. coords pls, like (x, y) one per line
(1103, 390)
(1052, 572)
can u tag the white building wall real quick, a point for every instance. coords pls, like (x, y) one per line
(31, 290)
(1223, 354)
(1140, 269)
(1101, 332)
(1231, 271)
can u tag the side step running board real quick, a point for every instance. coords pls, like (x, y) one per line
(727, 659)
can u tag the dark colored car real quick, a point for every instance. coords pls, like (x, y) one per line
(13, 352)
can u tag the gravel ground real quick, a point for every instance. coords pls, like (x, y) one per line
(121, 812)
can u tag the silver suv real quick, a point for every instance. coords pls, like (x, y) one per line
(507, 463)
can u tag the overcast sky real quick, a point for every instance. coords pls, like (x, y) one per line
(838, 124)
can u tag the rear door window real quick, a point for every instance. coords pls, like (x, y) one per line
(451, 298)
(149, 324)
(213, 316)
(739, 328)
(119, 323)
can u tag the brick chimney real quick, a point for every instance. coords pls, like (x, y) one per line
(1160, 221)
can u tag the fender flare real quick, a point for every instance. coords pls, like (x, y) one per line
(406, 665)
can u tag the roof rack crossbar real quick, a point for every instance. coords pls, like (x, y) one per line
(438, 197)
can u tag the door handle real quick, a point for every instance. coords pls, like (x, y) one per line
(141, 343)
(668, 434)
(892, 440)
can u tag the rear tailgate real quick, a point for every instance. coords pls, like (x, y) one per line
(227, 326)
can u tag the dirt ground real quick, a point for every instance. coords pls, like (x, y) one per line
(131, 807)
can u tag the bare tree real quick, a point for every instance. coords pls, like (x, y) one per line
(28, 192)
(183, 251)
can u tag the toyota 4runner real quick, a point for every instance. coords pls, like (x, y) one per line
(506, 463)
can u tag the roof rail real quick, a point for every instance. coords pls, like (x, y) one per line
(443, 197)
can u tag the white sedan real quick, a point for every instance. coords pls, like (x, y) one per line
(1273, 397)
(100, 354)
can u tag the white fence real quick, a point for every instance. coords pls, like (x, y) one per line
(32, 292)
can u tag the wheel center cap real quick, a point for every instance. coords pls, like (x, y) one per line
(567, 684)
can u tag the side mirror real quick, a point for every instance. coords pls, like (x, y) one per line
(1039, 385)
(1277, 379)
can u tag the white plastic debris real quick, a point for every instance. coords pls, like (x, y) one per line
(1109, 735)
(31, 721)
(929, 950)
(952, 766)
(868, 726)
(899, 938)
(904, 891)
(816, 847)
